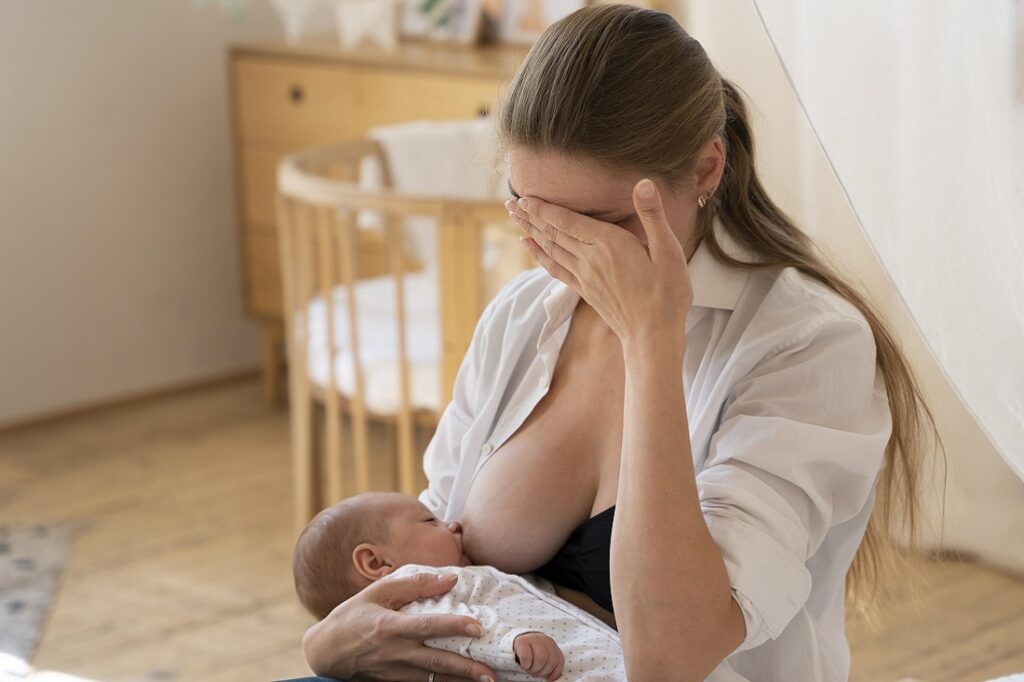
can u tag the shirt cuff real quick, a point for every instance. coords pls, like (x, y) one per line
(767, 582)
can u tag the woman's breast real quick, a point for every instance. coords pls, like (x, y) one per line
(551, 474)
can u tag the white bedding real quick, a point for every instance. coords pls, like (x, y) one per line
(378, 341)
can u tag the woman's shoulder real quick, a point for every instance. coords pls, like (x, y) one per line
(783, 310)
(790, 300)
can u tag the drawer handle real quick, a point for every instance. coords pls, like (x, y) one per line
(484, 111)
(297, 94)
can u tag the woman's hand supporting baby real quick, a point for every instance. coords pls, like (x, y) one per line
(365, 638)
(539, 655)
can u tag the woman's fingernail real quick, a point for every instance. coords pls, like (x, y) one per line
(444, 577)
(474, 630)
(486, 678)
(523, 205)
(645, 189)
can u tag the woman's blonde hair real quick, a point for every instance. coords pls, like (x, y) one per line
(630, 88)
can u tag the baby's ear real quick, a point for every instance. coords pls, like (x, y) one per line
(369, 561)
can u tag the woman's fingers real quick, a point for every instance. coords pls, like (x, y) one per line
(549, 244)
(583, 230)
(660, 239)
(447, 666)
(556, 269)
(409, 673)
(423, 626)
(396, 593)
(560, 263)
(427, 625)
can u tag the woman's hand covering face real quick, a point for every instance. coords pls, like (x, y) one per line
(639, 292)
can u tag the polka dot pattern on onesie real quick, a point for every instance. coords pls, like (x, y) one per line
(507, 606)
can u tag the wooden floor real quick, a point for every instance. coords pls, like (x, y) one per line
(181, 567)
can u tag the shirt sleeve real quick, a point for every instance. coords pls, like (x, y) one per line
(800, 443)
(441, 458)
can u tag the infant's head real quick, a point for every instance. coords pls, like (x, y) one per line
(363, 538)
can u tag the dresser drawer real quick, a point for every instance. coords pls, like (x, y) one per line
(384, 97)
(302, 104)
(282, 101)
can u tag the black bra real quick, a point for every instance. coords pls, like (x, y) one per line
(582, 563)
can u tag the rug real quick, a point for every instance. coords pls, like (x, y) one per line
(32, 559)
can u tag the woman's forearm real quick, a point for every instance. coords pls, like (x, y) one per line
(675, 613)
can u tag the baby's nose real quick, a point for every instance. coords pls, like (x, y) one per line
(455, 527)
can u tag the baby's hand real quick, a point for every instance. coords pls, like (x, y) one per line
(539, 655)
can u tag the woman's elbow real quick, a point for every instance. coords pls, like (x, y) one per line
(659, 670)
(667, 657)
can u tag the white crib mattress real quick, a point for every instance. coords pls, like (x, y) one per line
(378, 341)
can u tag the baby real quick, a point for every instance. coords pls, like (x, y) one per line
(382, 535)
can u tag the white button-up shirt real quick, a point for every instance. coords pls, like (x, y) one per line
(788, 416)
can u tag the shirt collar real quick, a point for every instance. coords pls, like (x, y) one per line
(715, 284)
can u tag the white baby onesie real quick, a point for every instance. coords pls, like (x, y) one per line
(508, 605)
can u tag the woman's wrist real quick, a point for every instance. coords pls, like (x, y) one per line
(313, 650)
(657, 350)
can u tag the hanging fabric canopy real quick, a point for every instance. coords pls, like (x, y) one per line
(919, 106)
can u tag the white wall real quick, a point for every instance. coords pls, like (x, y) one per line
(119, 262)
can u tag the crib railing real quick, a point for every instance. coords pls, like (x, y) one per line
(318, 202)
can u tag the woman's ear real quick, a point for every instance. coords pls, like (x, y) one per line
(710, 165)
(371, 561)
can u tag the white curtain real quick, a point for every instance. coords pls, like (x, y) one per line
(895, 142)
(919, 106)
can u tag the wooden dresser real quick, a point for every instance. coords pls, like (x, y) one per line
(288, 97)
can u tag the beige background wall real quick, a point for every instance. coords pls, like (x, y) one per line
(983, 496)
(119, 267)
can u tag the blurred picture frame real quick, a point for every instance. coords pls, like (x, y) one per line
(445, 21)
(522, 21)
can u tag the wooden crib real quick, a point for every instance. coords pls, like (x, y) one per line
(318, 201)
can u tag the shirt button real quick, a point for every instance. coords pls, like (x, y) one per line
(543, 381)
(487, 448)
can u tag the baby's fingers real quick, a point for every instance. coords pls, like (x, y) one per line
(541, 659)
(553, 670)
(524, 655)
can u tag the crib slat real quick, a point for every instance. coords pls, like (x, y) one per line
(459, 241)
(332, 417)
(345, 224)
(406, 457)
(296, 291)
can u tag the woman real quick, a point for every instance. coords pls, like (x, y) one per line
(681, 416)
